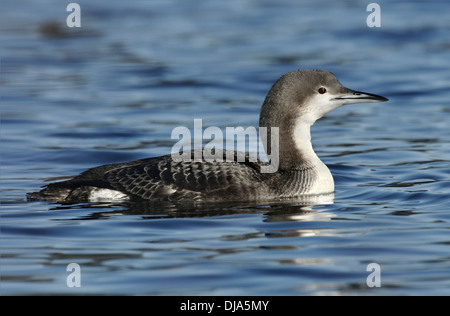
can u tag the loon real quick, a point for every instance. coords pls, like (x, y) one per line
(293, 104)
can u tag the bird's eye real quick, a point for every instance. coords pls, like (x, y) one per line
(322, 90)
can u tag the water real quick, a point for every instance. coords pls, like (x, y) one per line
(113, 91)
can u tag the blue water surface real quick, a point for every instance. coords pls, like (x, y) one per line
(113, 90)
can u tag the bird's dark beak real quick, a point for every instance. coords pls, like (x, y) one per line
(351, 96)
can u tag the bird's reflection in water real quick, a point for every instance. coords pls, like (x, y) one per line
(307, 208)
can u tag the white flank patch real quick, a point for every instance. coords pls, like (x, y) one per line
(107, 195)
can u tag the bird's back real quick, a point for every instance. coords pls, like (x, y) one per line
(162, 178)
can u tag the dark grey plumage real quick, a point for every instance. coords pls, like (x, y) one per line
(161, 178)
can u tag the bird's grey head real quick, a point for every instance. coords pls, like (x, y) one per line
(294, 103)
(308, 95)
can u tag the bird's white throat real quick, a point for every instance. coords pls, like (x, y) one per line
(324, 182)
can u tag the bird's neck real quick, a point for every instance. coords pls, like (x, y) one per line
(296, 150)
(297, 155)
